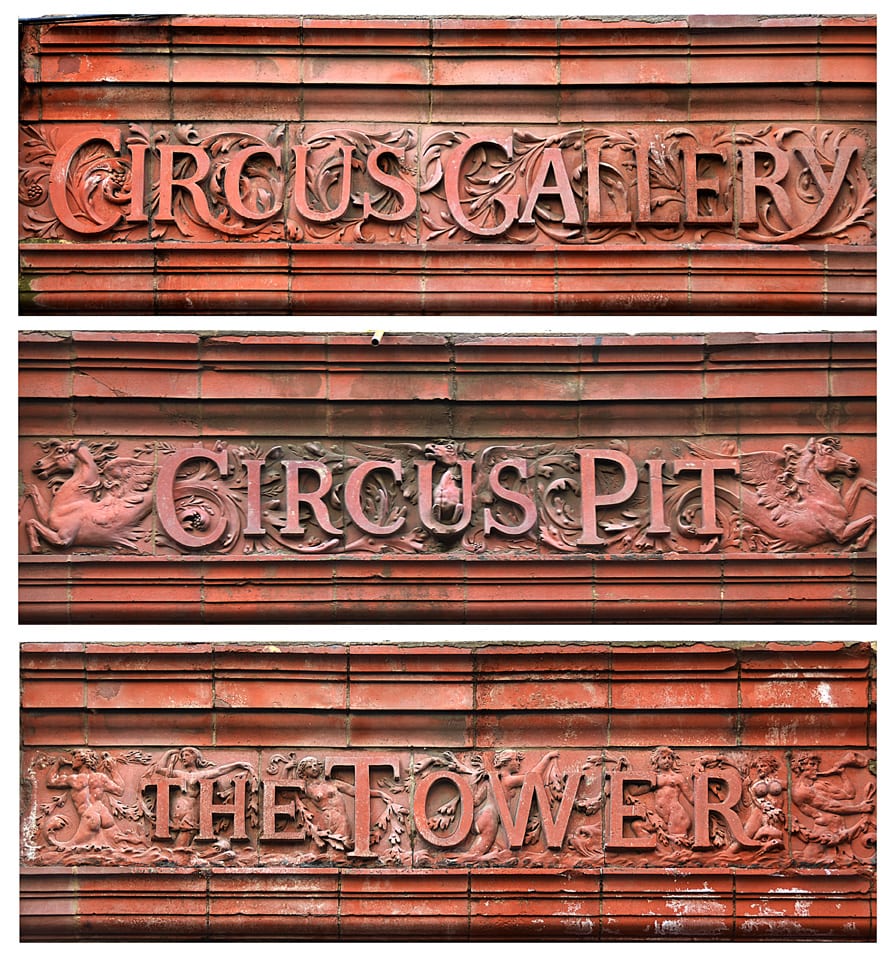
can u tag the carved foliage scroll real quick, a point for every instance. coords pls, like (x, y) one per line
(650, 184)
(491, 808)
(614, 497)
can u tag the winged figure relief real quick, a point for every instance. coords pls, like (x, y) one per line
(97, 499)
(797, 497)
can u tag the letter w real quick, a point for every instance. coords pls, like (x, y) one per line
(553, 829)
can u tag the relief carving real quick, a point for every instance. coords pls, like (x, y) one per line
(644, 183)
(352, 186)
(330, 819)
(80, 184)
(199, 805)
(834, 809)
(699, 810)
(795, 502)
(494, 813)
(228, 184)
(448, 495)
(93, 498)
(90, 789)
(96, 819)
(764, 795)
(663, 807)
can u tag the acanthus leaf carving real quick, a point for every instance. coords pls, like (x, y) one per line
(449, 496)
(652, 184)
(664, 807)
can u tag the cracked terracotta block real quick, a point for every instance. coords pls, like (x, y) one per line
(618, 133)
(557, 817)
(398, 476)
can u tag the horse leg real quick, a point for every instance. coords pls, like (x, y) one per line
(35, 527)
(863, 528)
(850, 498)
(41, 507)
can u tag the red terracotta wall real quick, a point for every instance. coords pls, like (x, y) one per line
(203, 756)
(557, 165)
(299, 478)
(314, 792)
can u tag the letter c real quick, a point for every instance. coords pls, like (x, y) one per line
(59, 178)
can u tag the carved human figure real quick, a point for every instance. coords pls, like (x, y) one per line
(828, 797)
(189, 765)
(328, 796)
(89, 786)
(673, 800)
(764, 791)
(508, 778)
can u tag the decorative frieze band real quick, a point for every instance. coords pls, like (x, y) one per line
(642, 497)
(698, 184)
(433, 808)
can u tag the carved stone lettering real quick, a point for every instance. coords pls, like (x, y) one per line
(593, 185)
(616, 497)
(500, 808)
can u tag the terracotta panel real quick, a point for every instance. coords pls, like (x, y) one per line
(618, 816)
(524, 142)
(578, 478)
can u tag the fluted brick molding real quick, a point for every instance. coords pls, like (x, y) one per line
(318, 478)
(533, 165)
(773, 744)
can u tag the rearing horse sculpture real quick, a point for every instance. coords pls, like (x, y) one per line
(96, 505)
(790, 497)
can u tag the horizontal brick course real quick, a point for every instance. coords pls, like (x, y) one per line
(424, 74)
(600, 899)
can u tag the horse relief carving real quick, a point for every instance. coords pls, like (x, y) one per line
(447, 495)
(793, 500)
(93, 497)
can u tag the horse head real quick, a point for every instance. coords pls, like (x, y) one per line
(59, 459)
(829, 459)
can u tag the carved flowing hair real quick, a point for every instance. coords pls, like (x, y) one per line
(88, 756)
(658, 751)
(101, 450)
(803, 761)
(168, 761)
(796, 458)
(767, 760)
(505, 756)
(303, 764)
(789, 478)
